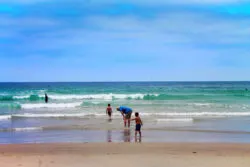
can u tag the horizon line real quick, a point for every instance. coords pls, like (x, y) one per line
(118, 81)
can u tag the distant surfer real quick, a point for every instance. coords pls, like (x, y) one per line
(46, 98)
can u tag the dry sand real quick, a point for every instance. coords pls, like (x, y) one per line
(125, 155)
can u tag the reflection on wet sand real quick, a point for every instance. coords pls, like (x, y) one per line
(138, 139)
(126, 135)
(109, 136)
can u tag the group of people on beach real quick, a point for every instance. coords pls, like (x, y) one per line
(126, 113)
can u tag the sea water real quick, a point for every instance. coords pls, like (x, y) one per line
(78, 109)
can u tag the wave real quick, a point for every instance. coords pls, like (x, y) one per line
(5, 117)
(98, 96)
(28, 115)
(29, 97)
(6, 98)
(173, 116)
(26, 97)
(175, 96)
(114, 96)
(50, 105)
(109, 96)
(199, 114)
(10, 105)
(176, 120)
(26, 129)
(163, 117)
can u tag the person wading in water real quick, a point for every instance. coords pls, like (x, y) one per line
(46, 98)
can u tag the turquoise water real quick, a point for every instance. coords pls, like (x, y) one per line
(164, 97)
(223, 107)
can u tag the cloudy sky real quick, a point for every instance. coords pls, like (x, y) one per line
(124, 40)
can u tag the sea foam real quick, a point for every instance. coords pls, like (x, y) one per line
(50, 105)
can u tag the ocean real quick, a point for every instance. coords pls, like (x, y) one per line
(171, 111)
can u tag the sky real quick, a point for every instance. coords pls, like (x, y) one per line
(124, 40)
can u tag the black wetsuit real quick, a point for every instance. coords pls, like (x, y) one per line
(46, 98)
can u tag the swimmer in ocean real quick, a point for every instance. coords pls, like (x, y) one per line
(46, 98)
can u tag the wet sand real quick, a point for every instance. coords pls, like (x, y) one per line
(125, 154)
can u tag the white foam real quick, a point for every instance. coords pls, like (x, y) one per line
(21, 97)
(28, 115)
(174, 117)
(65, 115)
(50, 105)
(4, 117)
(28, 129)
(176, 120)
(97, 96)
(94, 102)
(201, 104)
(109, 96)
(194, 114)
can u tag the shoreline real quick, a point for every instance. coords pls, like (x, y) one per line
(102, 148)
(124, 154)
(122, 136)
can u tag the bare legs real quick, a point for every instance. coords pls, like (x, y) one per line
(136, 133)
(125, 122)
(136, 138)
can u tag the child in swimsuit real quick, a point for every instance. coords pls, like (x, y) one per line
(138, 123)
(109, 111)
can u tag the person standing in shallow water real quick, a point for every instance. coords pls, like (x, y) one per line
(109, 111)
(138, 124)
(126, 114)
(46, 98)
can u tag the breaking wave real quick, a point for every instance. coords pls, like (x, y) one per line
(183, 116)
(175, 120)
(50, 105)
(113, 96)
(109, 96)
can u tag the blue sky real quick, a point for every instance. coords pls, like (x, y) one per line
(132, 40)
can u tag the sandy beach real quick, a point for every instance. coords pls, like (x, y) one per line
(125, 154)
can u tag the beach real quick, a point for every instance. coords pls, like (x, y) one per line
(171, 112)
(110, 83)
(188, 124)
(125, 154)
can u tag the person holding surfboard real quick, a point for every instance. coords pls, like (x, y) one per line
(126, 113)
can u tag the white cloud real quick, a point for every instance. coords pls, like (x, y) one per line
(169, 46)
(158, 35)
(177, 28)
(184, 43)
